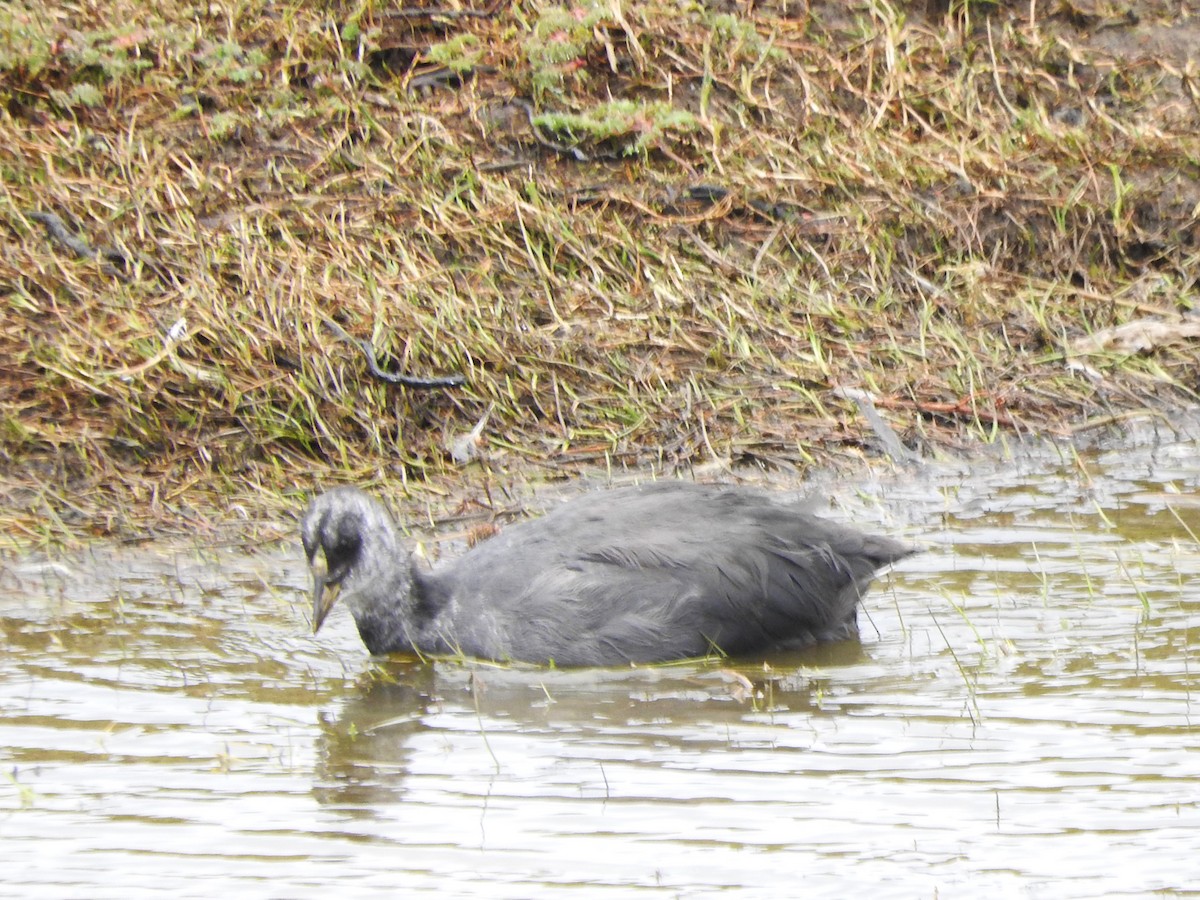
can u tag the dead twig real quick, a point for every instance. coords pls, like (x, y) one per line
(58, 232)
(411, 381)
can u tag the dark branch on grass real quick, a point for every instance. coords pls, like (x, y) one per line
(61, 235)
(412, 381)
(116, 262)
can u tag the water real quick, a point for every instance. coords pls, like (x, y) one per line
(1018, 721)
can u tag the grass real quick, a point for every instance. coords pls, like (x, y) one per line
(648, 235)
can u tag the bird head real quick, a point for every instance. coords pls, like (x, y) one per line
(333, 531)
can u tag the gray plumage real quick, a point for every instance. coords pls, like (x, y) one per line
(661, 571)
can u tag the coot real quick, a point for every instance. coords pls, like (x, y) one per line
(660, 571)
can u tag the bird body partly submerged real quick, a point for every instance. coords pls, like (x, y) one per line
(661, 571)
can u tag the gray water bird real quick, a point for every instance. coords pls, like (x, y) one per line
(661, 571)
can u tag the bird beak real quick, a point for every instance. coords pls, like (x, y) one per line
(324, 594)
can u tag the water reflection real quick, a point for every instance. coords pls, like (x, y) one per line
(367, 748)
(1017, 719)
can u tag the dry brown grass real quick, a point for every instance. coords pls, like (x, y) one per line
(648, 234)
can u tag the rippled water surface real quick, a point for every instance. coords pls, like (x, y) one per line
(1017, 721)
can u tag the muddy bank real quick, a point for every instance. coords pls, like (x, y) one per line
(647, 239)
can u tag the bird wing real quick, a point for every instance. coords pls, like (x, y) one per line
(627, 603)
(659, 572)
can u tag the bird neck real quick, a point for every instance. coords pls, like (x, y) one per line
(384, 612)
(384, 604)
